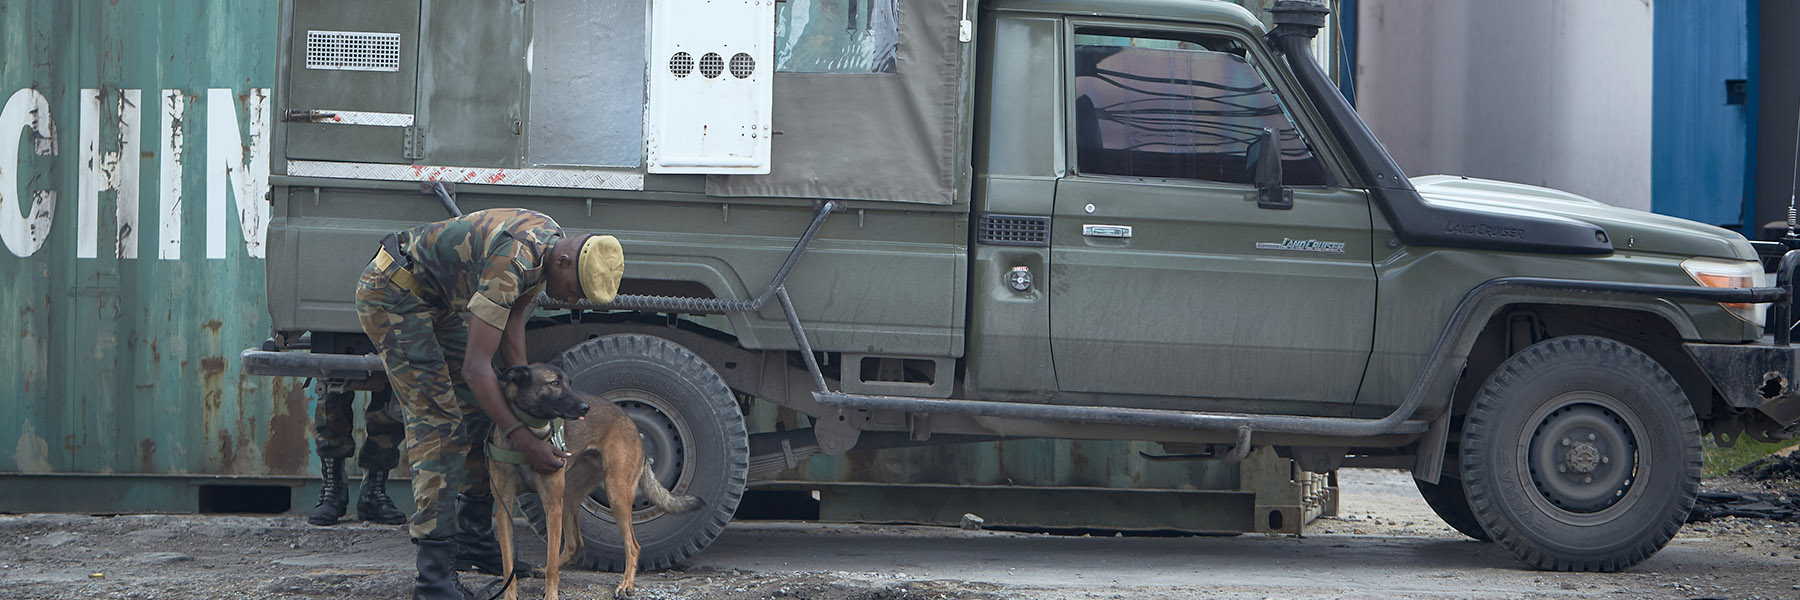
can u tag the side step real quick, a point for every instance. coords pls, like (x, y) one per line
(1140, 417)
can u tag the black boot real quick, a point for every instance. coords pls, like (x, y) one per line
(476, 549)
(333, 497)
(436, 580)
(373, 505)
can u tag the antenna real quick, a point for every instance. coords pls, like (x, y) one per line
(1792, 239)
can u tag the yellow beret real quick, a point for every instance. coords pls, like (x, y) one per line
(601, 265)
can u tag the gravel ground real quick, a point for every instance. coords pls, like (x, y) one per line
(1386, 544)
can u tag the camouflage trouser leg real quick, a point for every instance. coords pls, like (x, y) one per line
(332, 423)
(453, 337)
(382, 435)
(421, 347)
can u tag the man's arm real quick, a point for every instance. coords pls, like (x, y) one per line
(512, 342)
(478, 371)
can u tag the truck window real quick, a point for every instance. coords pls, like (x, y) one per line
(1179, 109)
(836, 36)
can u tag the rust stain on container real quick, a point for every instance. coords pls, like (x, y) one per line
(212, 368)
(32, 453)
(1078, 460)
(227, 454)
(287, 450)
(147, 455)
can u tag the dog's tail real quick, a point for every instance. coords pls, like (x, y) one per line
(660, 496)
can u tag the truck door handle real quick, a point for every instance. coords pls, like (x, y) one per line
(1106, 231)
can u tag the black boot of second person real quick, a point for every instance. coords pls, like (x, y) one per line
(334, 498)
(373, 504)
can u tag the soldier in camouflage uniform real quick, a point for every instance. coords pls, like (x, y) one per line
(438, 301)
(382, 433)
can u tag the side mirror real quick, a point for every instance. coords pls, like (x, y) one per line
(1264, 168)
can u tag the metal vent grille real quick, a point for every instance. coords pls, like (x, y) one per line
(742, 66)
(681, 64)
(1004, 230)
(711, 65)
(352, 51)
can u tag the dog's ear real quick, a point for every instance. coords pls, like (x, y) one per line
(516, 374)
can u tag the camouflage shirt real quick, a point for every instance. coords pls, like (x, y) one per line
(483, 261)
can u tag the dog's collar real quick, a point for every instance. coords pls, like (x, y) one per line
(534, 423)
(552, 429)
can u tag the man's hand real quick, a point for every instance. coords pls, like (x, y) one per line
(544, 458)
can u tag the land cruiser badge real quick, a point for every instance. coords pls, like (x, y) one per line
(1293, 245)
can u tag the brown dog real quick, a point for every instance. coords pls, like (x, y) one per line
(605, 449)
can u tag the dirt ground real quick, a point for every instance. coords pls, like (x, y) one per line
(1386, 544)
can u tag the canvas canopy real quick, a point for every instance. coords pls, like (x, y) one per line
(855, 124)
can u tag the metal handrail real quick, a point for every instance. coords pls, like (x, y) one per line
(1781, 314)
(705, 305)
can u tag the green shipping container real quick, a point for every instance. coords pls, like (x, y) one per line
(134, 149)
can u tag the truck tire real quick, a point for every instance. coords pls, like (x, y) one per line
(693, 434)
(1448, 501)
(1581, 454)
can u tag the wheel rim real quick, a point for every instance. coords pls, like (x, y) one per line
(666, 447)
(1581, 457)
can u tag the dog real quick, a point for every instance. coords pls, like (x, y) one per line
(605, 449)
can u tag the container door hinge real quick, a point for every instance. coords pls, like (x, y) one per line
(413, 144)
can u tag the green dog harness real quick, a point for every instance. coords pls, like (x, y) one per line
(515, 457)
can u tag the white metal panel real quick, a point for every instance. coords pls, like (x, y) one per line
(710, 70)
(357, 117)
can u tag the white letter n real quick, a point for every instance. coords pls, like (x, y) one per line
(244, 165)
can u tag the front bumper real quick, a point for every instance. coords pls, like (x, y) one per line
(1757, 376)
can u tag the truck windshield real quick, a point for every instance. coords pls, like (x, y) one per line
(1178, 109)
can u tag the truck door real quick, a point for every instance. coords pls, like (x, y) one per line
(1167, 279)
(353, 74)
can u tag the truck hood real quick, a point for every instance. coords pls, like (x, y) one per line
(1629, 230)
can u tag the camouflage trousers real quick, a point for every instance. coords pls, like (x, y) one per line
(422, 348)
(333, 421)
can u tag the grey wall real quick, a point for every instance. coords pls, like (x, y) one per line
(587, 83)
(1543, 92)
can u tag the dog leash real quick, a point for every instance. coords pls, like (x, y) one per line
(502, 583)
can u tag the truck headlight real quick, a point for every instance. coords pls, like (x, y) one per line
(1715, 273)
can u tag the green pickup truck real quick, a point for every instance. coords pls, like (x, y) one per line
(1148, 220)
